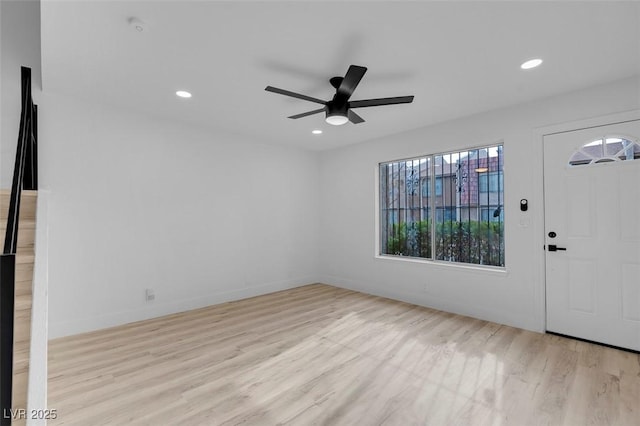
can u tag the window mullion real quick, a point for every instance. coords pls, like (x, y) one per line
(432, 201)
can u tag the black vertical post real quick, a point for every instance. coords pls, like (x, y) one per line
(7, 293)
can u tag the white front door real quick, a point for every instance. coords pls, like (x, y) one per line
(592, 217)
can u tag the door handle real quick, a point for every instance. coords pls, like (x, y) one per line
(553, 247)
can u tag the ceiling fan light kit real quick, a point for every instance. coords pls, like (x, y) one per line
(336, 114)
(336, 119)
(338, 110)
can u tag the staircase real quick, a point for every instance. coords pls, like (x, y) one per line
(23, 294)
(17, 219)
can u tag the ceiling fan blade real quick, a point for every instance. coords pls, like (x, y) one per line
(305, 114)
(294, 95)
(381, 101)
(350, 81)
(355, 118)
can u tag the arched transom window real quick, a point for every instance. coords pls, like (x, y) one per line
(606, 150)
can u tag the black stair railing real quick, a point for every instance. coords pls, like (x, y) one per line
(25, 176)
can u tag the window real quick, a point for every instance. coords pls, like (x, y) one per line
(446, 207)
(404, 210)
(606, 150)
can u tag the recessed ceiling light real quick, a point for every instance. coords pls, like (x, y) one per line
(183, 94)
(316, 132)
(532, 63)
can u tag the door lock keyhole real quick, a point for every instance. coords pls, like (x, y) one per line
(552, 234)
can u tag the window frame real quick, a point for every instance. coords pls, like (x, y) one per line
(433, 211)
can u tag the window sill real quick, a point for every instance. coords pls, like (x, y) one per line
(496, 270)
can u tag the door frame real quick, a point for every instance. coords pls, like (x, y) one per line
(538, 221)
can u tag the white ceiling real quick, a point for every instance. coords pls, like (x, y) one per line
(457, 58)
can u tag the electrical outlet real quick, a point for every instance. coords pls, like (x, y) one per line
(150, 295)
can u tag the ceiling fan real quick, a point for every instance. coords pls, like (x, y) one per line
(339, 109)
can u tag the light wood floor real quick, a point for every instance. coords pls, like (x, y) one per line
(319, 355)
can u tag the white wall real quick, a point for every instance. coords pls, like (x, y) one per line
(515, 296)
(19, 46)
(136, 202)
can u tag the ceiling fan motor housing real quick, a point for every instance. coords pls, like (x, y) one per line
(337, 108)
(336, 81)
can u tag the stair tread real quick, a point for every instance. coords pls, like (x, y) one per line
(28, 205)
(23, 224)
(22, 303)
(25, 192)
(23, 257)
(25, 214)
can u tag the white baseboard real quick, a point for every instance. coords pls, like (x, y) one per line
(83, 325)
(433, 302)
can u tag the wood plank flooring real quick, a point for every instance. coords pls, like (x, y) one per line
(320, 355)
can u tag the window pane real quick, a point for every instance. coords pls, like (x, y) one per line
(405, 188)
(469, 214)
(607, 150)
